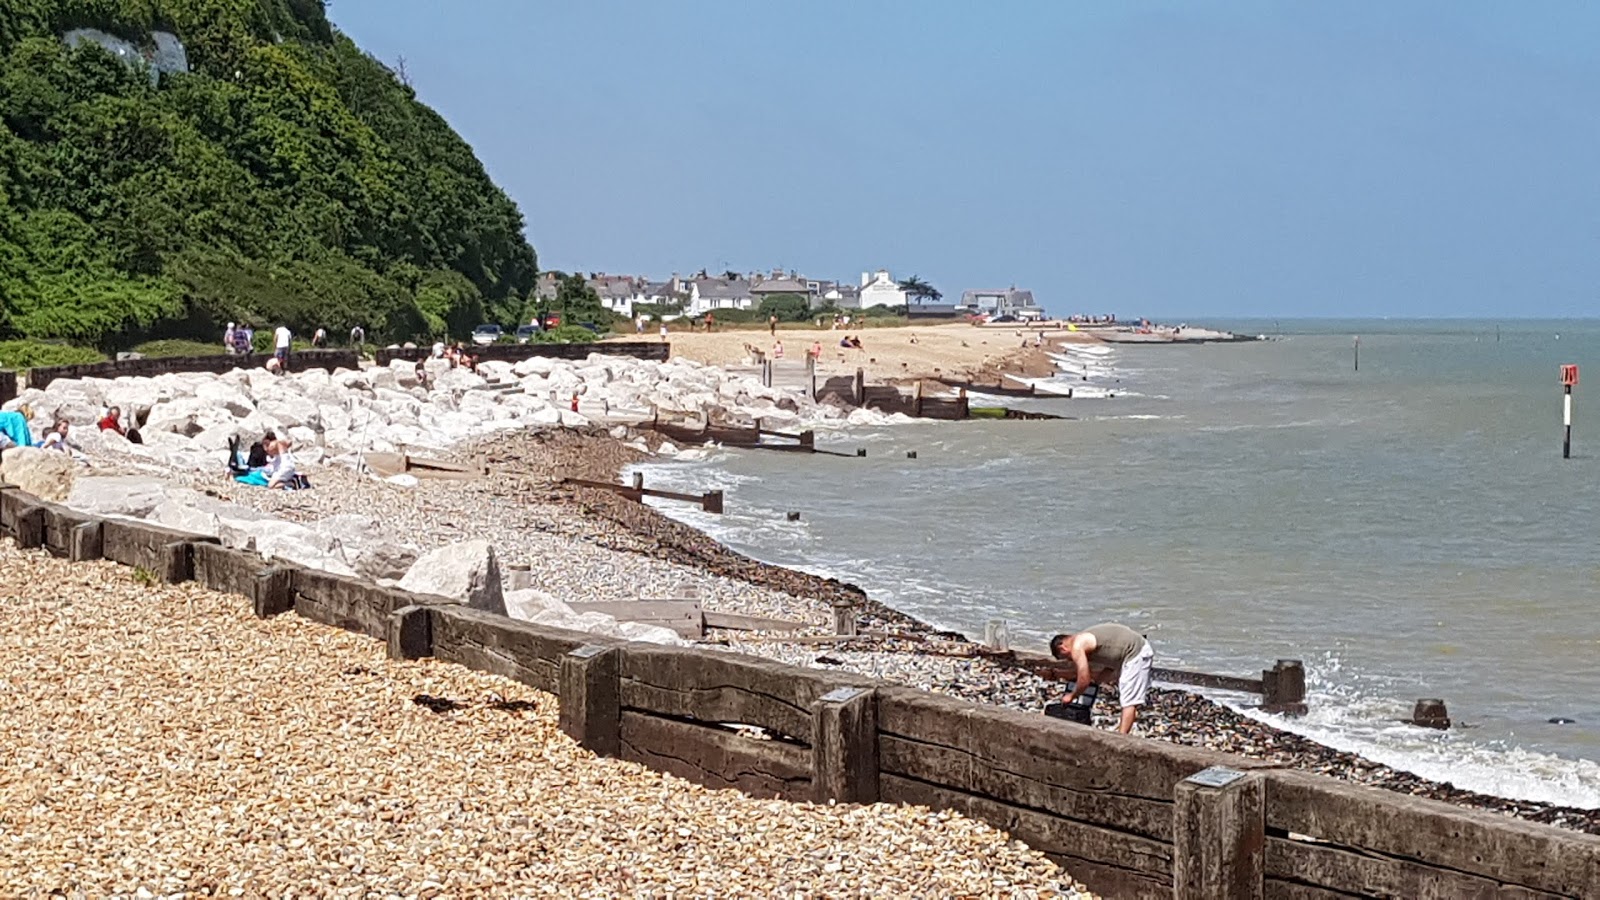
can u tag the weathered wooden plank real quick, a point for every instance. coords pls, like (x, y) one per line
(350, 603)
(1495, 847)
(1123, 865)
(59, 522)
(1334, 868)
(717, 757)
(735, 622)
(682, 616)
(712, 686)
(227, 570)
(962, 771)
(1042, 749)
(141, 544)
(1278, 889)
(502, 646)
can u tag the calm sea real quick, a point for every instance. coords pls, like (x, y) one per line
(1409, 530)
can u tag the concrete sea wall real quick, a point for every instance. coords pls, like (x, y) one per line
(40, 377)
(1129, 816)
(655, 350)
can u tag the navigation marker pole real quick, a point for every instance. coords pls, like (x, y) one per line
(1358, 353)
(1569, 377)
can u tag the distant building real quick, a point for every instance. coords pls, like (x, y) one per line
(782, 284)
(1005, 302)
(711, 294)
(878, 289)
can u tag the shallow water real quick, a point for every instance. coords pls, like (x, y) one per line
(1409, 530)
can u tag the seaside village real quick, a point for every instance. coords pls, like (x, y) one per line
(694, 296)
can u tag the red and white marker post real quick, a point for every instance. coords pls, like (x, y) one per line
(1569, 379)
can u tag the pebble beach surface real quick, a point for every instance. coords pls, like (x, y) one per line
(593, 545)
(161, 741)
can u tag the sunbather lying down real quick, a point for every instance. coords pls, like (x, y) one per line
(269, 464)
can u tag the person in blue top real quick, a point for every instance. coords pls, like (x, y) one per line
(14, 430)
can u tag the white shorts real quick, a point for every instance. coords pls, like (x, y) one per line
(1134, 682)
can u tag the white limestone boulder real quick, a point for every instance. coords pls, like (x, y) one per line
(46, 474)
(466, 572)
(129, 495)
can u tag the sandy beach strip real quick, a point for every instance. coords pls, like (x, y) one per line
(160, 741)
(888, 353)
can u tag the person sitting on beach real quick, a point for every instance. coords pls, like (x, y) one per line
(14, 430)
(56, 439)
(281, 473)
(855, 342)
(113, 421)
(844, 341)
(777, 350)
(1106, 652)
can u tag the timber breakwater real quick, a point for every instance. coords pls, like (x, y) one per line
(1133, 817)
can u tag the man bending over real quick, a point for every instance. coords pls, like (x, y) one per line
(1107, 653)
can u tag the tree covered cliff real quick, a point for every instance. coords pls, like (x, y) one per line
(286, 176)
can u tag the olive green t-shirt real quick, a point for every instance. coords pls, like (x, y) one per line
(1114, 645)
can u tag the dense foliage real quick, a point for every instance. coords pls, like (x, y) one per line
(287, 178)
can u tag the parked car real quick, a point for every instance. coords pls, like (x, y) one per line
(485, 335)
(526, 333)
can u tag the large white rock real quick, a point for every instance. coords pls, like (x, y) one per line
(46, 474)
(384, 560)
(466, 572)
(537, 365)
(132, 496)
(527, 603)
(225, 396)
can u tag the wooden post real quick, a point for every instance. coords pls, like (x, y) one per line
(638, 481)
(916, 402)
(1283, 688)
(29, 527)
(997, 635)
(962, 401)
(272, 592)
(1430, 714)
(84, 542)
(591, 704)
(808, 440)
(844, 618)
(860, 388)
(1219, 836)
(410, 633)
(177, 562)
(712, 502)
(1358, 353)
(844, 747)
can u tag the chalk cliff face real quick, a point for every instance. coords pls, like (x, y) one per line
(168, 166)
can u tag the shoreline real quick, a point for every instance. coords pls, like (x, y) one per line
(594, 545)
(1174, 714)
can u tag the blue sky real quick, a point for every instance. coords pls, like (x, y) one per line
(1162, 159)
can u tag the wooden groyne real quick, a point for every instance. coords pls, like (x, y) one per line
(1130, 816)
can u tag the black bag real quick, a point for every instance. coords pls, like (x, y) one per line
(1080, 711)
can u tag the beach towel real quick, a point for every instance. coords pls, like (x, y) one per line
(255, 479)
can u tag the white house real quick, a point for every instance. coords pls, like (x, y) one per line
(878, 289)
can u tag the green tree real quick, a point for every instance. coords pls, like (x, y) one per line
(787, 307)
(290, 177)
(918, 290)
